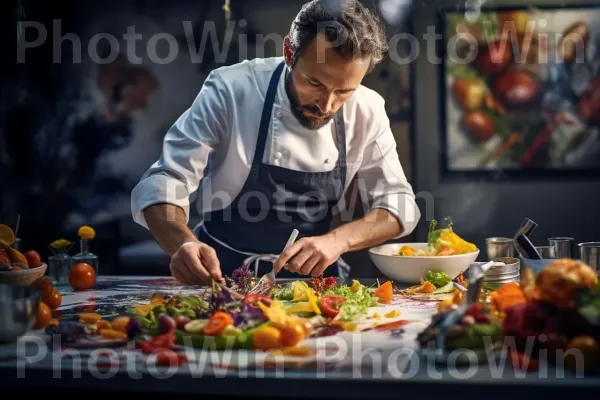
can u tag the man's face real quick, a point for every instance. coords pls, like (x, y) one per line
(321, 81)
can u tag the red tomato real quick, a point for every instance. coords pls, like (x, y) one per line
(82, 276)
(217, 323)
(169, 358)
(523, 362)
(52, 299)
(254, 298)
(330, 305)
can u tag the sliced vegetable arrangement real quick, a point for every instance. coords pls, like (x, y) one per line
(279, 320)
(276, 321)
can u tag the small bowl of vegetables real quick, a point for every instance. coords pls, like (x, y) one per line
(444, 251)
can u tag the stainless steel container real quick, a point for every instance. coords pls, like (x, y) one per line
(590, 254)
(18, 310)
(546, 251)
(499, 247)
(504, 270)
(563, 246)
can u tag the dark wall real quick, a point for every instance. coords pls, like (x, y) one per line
(496, 205)
(67, 153)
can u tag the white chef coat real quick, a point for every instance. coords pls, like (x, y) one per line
(208, 152)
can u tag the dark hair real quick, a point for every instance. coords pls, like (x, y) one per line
(352, 28)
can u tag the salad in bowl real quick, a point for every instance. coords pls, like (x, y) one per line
(444, 251)
(440, 242)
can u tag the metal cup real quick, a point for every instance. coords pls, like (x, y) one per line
(590, 254)
(499, 247)
(563, 246)
(546, 251)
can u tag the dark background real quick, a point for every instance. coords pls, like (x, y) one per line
(76, 137)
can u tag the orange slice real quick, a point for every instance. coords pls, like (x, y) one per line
(7, 236)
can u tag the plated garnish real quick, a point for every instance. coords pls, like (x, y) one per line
(278, 320)
(434, 286)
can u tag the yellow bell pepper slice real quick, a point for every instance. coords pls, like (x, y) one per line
(451, 240)
(300, 307)
(314, 301)
(276, 313)
(299, 289)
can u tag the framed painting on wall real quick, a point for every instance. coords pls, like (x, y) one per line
(521, 92)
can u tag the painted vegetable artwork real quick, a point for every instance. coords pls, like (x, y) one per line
(521, 93)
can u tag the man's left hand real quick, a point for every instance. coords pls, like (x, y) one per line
(311, 256)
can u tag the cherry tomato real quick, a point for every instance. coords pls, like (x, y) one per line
(385, 292)
(45, 286)
(82, 276)
(330, 305)
(254, 298)
(292, 334)
(217, 323)
(165, 341)
(169, 358)
(53, 298)
(44, 316)
(267, 337)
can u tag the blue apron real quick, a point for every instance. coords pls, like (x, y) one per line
(273, 202)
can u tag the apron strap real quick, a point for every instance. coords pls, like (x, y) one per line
(340, 130)
(252, 257)
(265, 121)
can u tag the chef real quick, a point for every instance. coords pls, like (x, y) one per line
(271, 145)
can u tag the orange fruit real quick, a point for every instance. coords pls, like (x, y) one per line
(82, 276)
(53, 299)
(7, 236)
(44, 316)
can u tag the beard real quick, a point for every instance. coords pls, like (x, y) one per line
(298, 109)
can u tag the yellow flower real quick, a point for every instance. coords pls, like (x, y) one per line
(60, 244)
(86, 232)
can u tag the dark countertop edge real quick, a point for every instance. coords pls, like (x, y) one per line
(295, 386)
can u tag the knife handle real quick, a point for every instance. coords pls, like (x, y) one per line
(528, 248)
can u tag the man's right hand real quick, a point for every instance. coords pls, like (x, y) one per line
(195, 263)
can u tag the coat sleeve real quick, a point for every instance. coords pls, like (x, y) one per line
(382, 180)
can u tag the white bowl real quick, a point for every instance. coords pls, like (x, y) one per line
(410, 269)
(23, 277)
